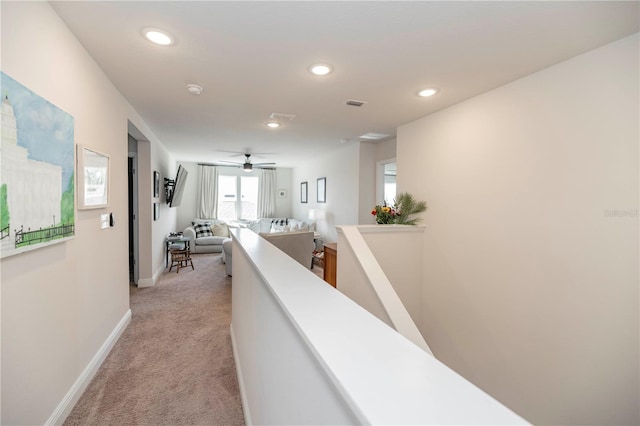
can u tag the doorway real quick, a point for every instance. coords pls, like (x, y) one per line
(386, 181)
(133, 211)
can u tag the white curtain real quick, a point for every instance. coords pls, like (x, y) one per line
(208, 199)
(266, 193)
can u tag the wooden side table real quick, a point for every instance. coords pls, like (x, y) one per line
(330, 262)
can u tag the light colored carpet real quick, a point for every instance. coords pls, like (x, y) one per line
(173, 365)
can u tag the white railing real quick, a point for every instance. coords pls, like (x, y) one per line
(362, 279)
(307, 354)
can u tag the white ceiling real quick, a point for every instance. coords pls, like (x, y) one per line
(252, 59)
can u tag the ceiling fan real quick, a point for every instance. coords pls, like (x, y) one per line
(247, 166)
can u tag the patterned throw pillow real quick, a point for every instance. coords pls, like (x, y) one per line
(203, 230)
(278, 228)
(220, 230)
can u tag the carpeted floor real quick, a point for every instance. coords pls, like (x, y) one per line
(173, 365)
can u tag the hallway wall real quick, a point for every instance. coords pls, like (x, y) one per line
(531, 245)
(60, 304)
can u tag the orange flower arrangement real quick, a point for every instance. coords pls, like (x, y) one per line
(403, 207)
(384, 214)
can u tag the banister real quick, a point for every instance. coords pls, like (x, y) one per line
(307, 354)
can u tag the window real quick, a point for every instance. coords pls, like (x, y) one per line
(230, 205)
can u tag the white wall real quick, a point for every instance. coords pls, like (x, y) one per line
(189, 206)
(351, 185)
(531, 250)
(284, 178)
(60, 303)
(165, 165)
(341, 168)
(367, 182)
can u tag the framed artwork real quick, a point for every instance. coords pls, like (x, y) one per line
(282, 193)
(156, 184)
(156, 211)
(303, 192)
(37, 191)
(322, 190)
(93, 179)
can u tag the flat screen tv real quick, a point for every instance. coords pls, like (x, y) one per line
(176, 188)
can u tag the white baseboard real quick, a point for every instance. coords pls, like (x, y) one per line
(159, 272)
(150, 282)
(243, 393)
(146, 282)
(69, 401)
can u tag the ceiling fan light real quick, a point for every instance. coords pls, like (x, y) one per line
(194, 89)
(247, 167)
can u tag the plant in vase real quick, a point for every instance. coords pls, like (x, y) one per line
(404, 206)
(384, 214)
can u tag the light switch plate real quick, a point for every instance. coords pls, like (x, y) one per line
(104, 221)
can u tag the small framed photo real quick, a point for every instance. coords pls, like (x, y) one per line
(93, 178)
(156, 184)
(304, 192)
(282, 193)
(322, 190)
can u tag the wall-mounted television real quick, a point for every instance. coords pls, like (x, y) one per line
(175, 188)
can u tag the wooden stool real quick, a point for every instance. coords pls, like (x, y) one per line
(180, 259)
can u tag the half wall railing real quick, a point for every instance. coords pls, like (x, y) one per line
(307, 354)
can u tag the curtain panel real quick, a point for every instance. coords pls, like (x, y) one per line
(266, 193)
(208, 199)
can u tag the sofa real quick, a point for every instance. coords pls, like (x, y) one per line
(207, 235)
(293, 237)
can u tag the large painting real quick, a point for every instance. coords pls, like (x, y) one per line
(36, 171)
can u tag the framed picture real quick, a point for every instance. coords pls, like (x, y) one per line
(93, 178)
(37, 183)
(156, 211)
(303, 192)
(322, 190)
(156, 184)
(282, 193)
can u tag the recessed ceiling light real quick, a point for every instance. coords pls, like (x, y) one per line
(320, 69)
(273, 124)
(158, 36)
(427, 92)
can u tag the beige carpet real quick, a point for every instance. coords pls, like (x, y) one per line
(173, 365)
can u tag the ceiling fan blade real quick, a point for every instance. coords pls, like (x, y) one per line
(264, 164)
(230, 162)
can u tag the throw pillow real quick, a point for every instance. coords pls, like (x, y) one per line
(279, 228)
(220, 230)
(203, 230)
(280, 222)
